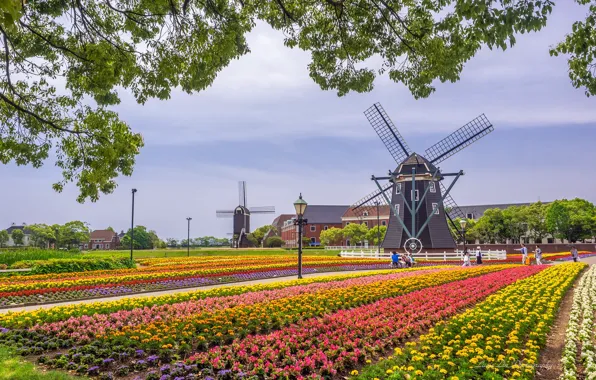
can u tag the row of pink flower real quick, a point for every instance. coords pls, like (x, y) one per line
(337, 342)
(85, 328)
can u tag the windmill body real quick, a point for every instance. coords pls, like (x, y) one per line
(420, 202)
(241, 217)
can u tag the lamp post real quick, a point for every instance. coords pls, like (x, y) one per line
(463, 223)
(132, 223)
(378, 229)
(300, 206)
(188, 238)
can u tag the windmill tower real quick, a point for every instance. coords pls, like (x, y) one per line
(241, 217)
(420, 203)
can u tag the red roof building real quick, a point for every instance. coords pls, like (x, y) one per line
(102, 239)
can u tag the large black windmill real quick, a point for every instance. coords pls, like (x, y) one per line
(415, 190)
(241, 215)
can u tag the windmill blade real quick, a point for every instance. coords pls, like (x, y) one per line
(242, 193)
(382, 124)
(458, 140)
(368, 202)
(224, 213)
(262, 210)
(452, 210)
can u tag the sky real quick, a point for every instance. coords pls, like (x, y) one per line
(266, 122)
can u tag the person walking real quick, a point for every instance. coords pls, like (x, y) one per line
(394, 259)
(524, 252)
(538, 254)
(478, 255)
(574, 253)
(467, 262)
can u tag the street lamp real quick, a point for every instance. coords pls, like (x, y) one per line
(463, 223)
(188, 238)
(132, 223)
(300, 206)
(378, 229)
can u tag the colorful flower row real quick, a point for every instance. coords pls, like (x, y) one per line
(339, 342)
(61, 313)
(578, 338)
(85, 328)
(498, 338)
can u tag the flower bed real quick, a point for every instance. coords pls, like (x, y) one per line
(341, 341)
(148, 336)
(580, 329)
(498, 338)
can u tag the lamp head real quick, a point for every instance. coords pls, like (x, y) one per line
(300, 206)
(463, 223)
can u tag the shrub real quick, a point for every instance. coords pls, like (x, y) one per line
(73, 265)
(274, 242)
(11, 255)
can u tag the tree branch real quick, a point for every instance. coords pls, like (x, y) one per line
(392, 28)
(284, 10)
(63, 48)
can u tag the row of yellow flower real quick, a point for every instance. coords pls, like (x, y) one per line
(226, 259)
(223, 325)
(498, 338)
(60, 313)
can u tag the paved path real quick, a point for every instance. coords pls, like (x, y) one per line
(588, 260)
(174, 291)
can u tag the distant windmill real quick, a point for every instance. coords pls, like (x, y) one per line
(415, 190)
(241, 215)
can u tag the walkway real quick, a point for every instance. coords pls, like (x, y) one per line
(184, 290)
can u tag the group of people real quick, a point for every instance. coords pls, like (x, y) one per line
(402, 261)
(466, 258)
(538, 254)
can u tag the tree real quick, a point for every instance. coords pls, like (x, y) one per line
(171, 242)
(332, 236)
(515, 222)
(259, 233)
(18, 236)
(252, 239)
(142, 239)
(354, 232)
(571, 220)
(154, 240)
(41, 235)
(536, 219)
(4, 237)
(274, 242)
(491, 226)
(373, 234)
(305, 241)
(150, 47)
(472, 233)
(110, 228)
(71, 234)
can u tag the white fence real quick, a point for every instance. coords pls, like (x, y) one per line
(350, 248)
(445, 256)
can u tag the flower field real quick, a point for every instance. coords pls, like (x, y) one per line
(163, 274)
(423, 323)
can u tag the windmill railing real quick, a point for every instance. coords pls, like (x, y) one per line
(431, 256)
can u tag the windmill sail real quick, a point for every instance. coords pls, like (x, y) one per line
(458, 140)
(369, 202)
(452, 210)
(382, 124)
(242, 193)
(262, 210)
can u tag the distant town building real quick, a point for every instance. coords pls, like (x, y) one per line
(320, 218)
(277, 224)
(26, 232)
(102, 239)
(476, 211)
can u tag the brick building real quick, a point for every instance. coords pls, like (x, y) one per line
(320, 218)
(102, 239)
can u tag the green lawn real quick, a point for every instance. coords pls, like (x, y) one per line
(13, 367)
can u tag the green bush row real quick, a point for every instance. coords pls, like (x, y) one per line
(72, 265)
(10, 256)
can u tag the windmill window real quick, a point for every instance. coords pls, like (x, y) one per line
(325, 228)
(383, 223)
(398, 188)
(397, 209)
(436, 208)
(414, 195)
(433, 188)
(313, 228)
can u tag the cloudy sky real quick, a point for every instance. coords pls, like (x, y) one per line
(266, 122)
